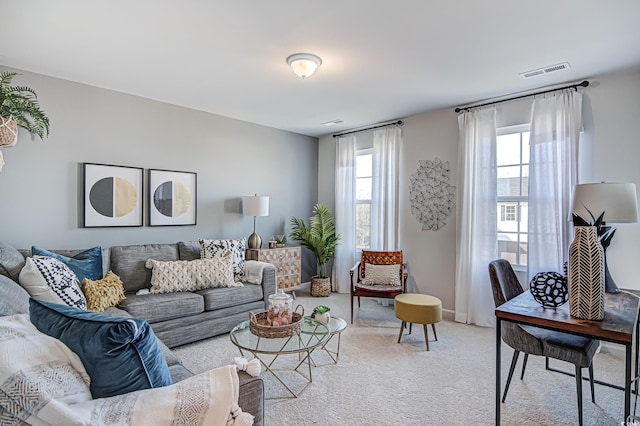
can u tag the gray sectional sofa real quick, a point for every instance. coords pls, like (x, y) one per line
(176, 318)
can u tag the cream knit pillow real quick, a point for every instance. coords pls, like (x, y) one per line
(381, 274)
(191, 275)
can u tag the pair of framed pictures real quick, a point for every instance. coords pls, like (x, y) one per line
(113, 196)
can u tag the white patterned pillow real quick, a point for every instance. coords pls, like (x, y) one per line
(48, 279)
(381, 274)
(211, 249)
(191, 275)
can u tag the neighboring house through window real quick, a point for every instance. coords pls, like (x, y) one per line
(364, 181)
(512, 152)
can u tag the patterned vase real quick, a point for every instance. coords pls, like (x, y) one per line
(586, 275)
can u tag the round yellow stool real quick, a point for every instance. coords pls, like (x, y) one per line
(420, 309)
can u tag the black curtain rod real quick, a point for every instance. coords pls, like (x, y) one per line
(395, 123)
(585, 83)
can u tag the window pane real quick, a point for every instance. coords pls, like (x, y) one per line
(523, 249)
(508, 149)
(363, 237)
(364, 165)
(525, 147)
(363, 188)
(507, 217)
(363, 214)
(508, 247)
(524, 217)
(508, 181)
(525, 181)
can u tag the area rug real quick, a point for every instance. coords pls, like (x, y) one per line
(378, 381)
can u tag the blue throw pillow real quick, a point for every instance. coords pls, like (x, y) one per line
(120, 355)
(86, 264)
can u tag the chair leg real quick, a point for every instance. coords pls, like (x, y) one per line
(358, 301)
(404, 324)
(426, 334)
(514, 360)
(351, 308)
(524, 365)
(579, 389)
(593, 394)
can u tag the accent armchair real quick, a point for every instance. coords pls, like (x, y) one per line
(380, 274)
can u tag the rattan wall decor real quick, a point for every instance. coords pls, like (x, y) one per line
(432, 197)
(586, 275)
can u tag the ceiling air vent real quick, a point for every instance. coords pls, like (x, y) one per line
(545, 70)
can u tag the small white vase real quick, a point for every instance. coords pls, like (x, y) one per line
(323, 318)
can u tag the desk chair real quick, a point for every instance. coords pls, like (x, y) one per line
(530, 340)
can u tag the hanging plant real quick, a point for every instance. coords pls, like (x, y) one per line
(20, 105)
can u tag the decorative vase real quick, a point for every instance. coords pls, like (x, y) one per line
(549, 289)
(586, 275)
(280, 309)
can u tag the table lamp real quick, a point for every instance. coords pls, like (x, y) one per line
(618, 202)
(255, 205)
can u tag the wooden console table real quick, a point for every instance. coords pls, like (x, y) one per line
(618, 326)
(287, 263)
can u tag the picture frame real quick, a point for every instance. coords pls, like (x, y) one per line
(172, 197)
(112, 195)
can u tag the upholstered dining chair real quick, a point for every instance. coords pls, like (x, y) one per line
(529, 340)
(378, 274)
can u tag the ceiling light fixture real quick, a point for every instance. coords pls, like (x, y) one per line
(304, 64)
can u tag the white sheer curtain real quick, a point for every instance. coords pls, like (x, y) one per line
(345, 212)
(556, 120)
(384, 195)
(476, 211)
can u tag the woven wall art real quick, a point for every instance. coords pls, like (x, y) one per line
(432, 197)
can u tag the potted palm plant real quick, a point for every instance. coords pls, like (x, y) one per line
(320, 237)
(19, 107)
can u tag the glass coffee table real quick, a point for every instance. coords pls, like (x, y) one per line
(313, 334)
(336, 326)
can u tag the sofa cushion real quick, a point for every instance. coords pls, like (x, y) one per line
(46, 278)
(212, 249)
(162, 307)
(218, 298)
(121, 355)
(104, 293)
(13, 298)
(189, 250)
(86, 264)
(127, 262)
(11, 261)
(191, 275)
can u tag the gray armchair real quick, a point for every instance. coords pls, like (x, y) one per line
(576, 350)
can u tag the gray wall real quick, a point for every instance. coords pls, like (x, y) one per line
(41, 183)
(609, 151)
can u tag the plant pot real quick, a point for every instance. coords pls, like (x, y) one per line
(8, 132)
(320, 287)
(323, 318)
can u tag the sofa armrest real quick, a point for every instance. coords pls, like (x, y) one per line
(251, 396)
(268, 282)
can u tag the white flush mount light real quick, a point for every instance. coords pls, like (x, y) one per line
(304, 64)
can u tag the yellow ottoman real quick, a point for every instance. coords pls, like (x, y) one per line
(420, 309)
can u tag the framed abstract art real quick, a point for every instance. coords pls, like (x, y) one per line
(112, 195)
(172, 197)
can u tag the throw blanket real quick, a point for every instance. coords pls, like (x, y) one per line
(253, 271)
(43, 383)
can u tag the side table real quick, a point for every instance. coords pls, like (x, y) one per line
(287, 263)
(336, 327)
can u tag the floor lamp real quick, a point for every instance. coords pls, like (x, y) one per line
(618, 202)
(255, 205)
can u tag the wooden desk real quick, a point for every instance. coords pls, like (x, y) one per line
(618, 326)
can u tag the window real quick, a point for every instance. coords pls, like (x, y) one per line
(364, 172)
(512, 160)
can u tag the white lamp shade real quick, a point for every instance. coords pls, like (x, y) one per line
(618, 201)
(255, 205)
(304, 64)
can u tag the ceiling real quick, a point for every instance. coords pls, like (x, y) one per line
(382, 59)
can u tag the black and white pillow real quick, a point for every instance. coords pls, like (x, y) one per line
(215, 249)
(48, 279)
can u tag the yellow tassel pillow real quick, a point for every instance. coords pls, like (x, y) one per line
(104, 293)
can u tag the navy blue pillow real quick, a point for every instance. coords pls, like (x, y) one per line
(120, 355)
(86, 264)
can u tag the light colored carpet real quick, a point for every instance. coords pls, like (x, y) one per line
(380, 382)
